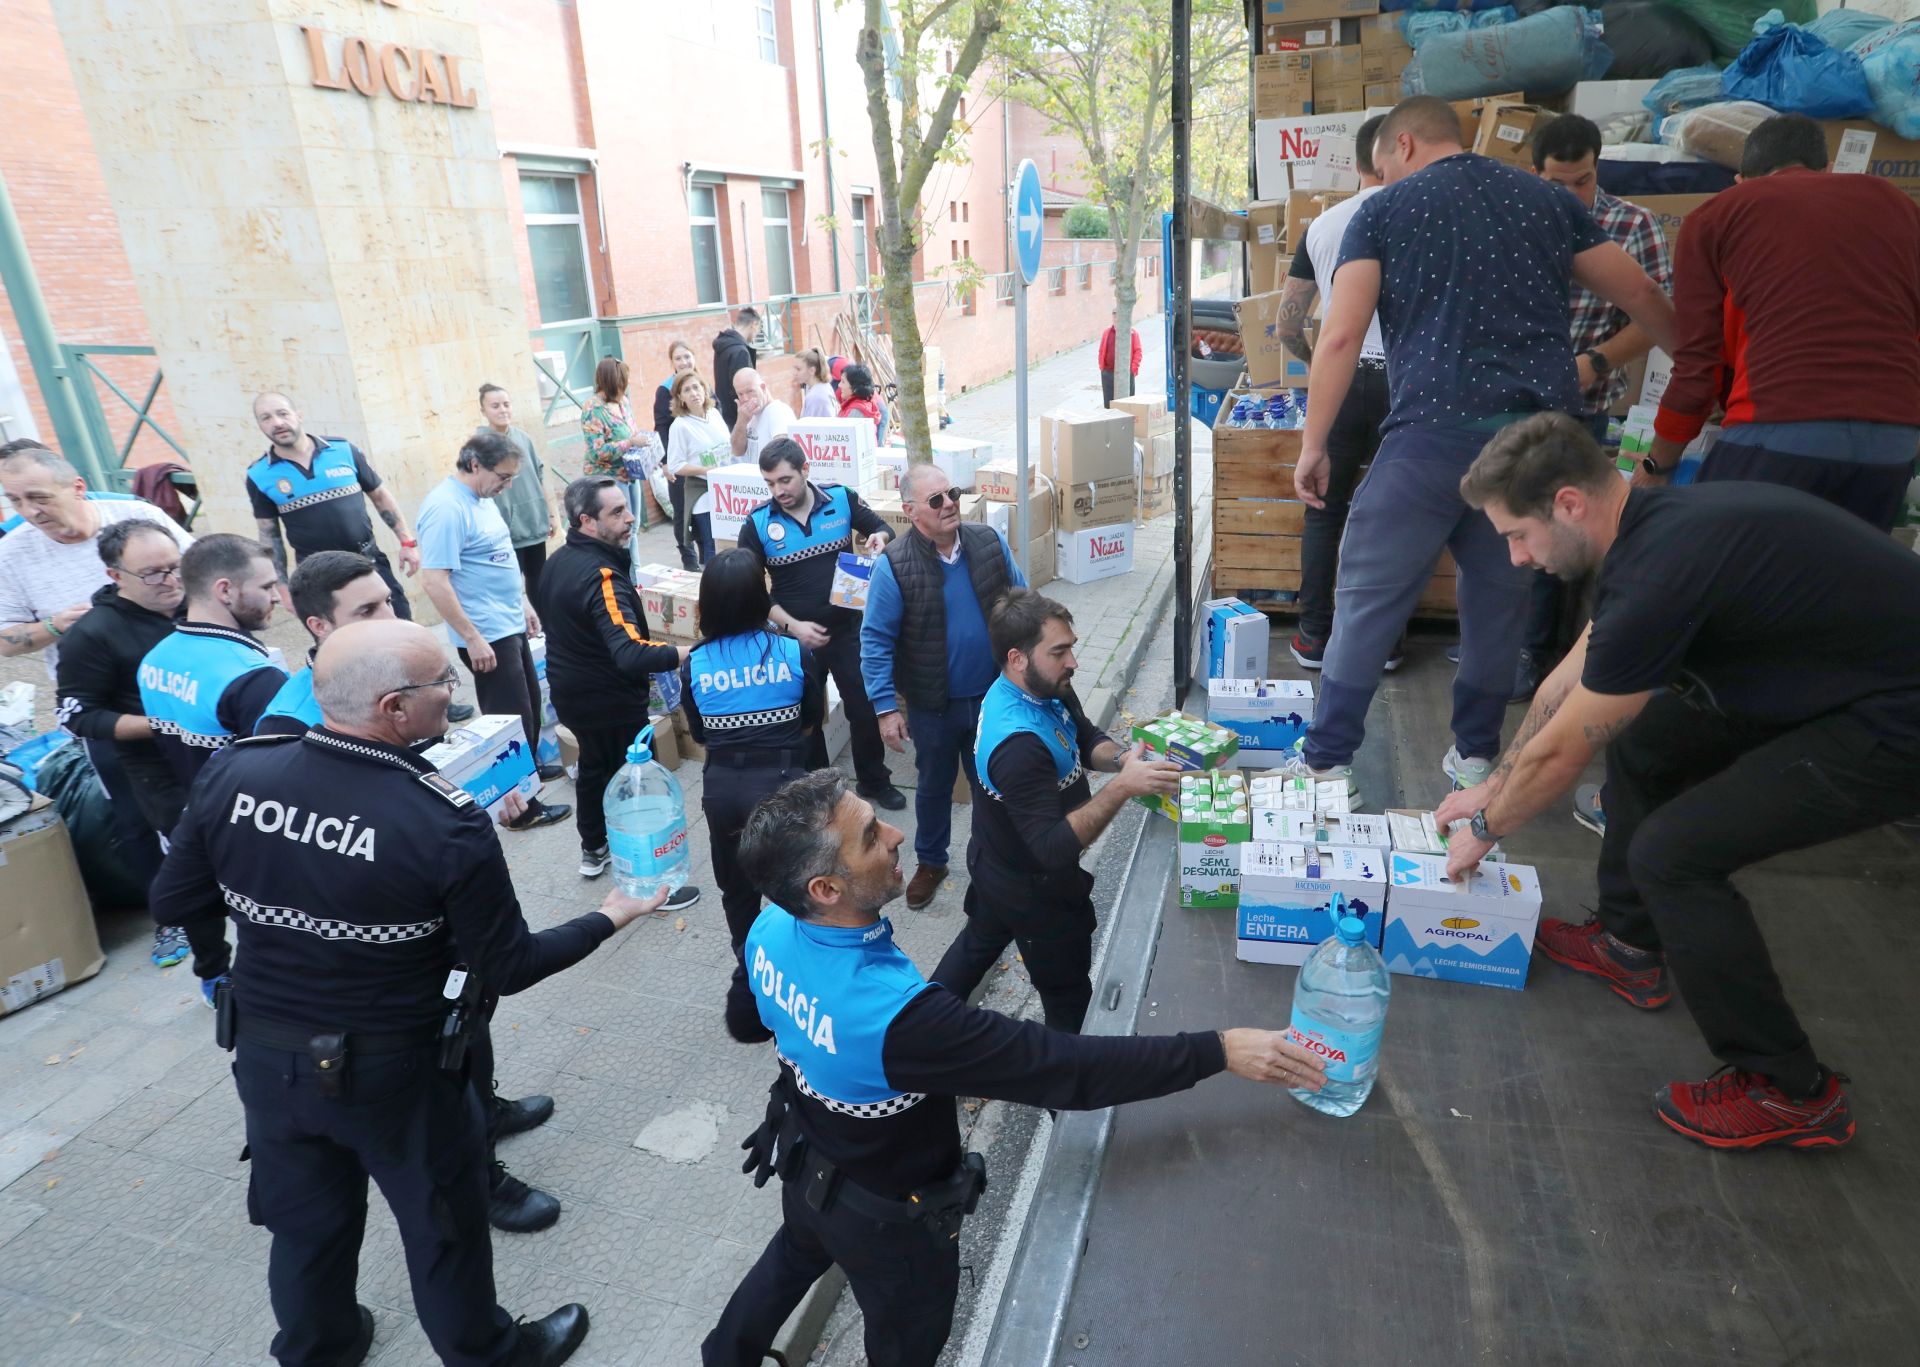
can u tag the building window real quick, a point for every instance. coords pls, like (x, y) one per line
(779, 233)
(704, 215)
(966, 212)
(769, 38)
(557, 242)
(862, 267)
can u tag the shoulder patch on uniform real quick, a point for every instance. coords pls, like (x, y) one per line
(451, 791)
(268, 738)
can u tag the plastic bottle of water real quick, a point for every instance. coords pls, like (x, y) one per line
(1299, 408)
(646, 823)
(1339, 1013)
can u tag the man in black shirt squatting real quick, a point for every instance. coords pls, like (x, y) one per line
(860, 1124)
(1753, 672)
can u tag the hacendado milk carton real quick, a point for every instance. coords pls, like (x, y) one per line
(1286, 897)
(1266, 715)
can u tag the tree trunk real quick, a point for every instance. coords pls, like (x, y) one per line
(1126, 255)
(909, 355)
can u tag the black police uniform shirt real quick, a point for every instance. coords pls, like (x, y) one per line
(1765, 603)
(357, 877)
(753, 691)
(1022, 842)
(321, 508)
(874, 1054)
(801, 556)
(97, 680)
(202, 687)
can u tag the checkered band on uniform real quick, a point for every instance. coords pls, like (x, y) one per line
(292, 918)
(809, 552)
(1060, 787)
(186, 737)
(860, 1110)
(771, 717)
(294, 505)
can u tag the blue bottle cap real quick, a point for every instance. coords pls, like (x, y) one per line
(1353, 930)
(642, 748)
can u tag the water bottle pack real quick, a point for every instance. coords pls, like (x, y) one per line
(1340, 1014)
(646, 823)
(1284, 411)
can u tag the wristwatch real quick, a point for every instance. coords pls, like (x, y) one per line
(1653, 467)
(1479, 826)
(1601, 365)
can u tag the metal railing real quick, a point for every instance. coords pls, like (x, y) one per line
(77, 357)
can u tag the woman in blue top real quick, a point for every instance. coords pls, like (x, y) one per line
(751, 698)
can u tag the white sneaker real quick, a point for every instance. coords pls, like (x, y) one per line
(1587, 809)
(1296, 766)
(1466, 773)
(593, 863)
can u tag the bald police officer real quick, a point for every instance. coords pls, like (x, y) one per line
(374, 911)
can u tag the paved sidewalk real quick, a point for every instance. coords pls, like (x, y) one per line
(123, 1232)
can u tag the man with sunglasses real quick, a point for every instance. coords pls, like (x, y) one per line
(924, 642)
(97, 681)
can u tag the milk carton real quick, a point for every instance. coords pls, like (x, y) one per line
(1267, 715)
(839, 451)
(737, 490)
(489, 758)
(1476, 931)
(537, 647)
(1236, 639)
(1415, 832)
(1213, 825)
(1362, 830)
(1081, 557)
(1186, 741)
(1286, 897)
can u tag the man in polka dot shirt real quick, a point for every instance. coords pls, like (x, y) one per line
(1469, 264)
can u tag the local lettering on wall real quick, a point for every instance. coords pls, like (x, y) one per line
(414, 74)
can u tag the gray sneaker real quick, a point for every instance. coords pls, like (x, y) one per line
(1296, 766)
(1465, 773)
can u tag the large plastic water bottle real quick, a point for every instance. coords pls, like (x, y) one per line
(646, 823)
(1340, 1012)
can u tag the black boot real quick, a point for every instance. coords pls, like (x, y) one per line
(362, 1340)
(551, 1341)
(513, 1207)
(517, 1117)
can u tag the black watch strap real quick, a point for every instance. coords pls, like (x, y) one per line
(1601, 365)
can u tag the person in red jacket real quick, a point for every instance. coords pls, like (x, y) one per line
(1107, 341)
(1798, 303)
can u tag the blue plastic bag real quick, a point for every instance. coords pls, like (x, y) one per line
(1845, 27)
(1416, 26)
(1791, 71)
(1678, 91)
(1891, 61)
(1545, 54)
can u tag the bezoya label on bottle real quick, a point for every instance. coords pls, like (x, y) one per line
(1344, 1052)
(646, 855)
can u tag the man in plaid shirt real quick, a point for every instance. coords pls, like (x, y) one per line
(1605, 341)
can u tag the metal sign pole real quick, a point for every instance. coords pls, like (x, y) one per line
(1020, 476)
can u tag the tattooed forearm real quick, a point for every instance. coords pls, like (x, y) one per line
(1537, 717)
(390, 516)
(18, 638)
(276, 544)
(1601, 736)
(1296, 302)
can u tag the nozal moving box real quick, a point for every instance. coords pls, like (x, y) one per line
(1096, 553)
(488, 757)
(1102, 503)
(1506, 132)
(1283, 149)
(1476, 931)
(839, 451)
(1286, 898)
(1236, 639)
(998, 481)
(1282, 85)
(1078, 448)
(47, 936)
(737, 490)
(1266, 239)
(1266, 715)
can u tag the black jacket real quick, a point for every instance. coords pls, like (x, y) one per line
(731, 354)
(600, 657)
(97, 681)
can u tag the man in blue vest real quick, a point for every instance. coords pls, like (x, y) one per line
(860, 1124)
(799, 535)
(1038, 813)
(208, 682)
(330, 589)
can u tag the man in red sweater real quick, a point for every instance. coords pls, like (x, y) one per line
(1798, 303)
(1107, 348)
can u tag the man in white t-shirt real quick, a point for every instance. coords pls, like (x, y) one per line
(762, 417)
(49, 567)
(1356, 432)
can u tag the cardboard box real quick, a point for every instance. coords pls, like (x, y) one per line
(998, 481)
(1362, 830)
(1042, 560)
(1078, 448)
(1313, 11)
(839, 451)
(737, 490)
(645, 576)
(1309, 36)
(1303, 206)
(1339, 82)
(672, 607)
(887, 504)
(1469, 112)
(1156, 497)
(1157, 455)
(1284, 148)
(1269, 363)
(1266, 245)
(1857, 147)
(1213, 823)
(47, 937)
(1286, 898)
(1477, 931)
(1237, 636)
(666, 742)
(1670, 211)
(1103, 503)
(1282, 85)
(1383, 94)
(488, 757)
(1506, 132)
(1040, 524)
(1149, 413)
(1080, 557)
(850, 578)
(1266, 716)
(1384, 52)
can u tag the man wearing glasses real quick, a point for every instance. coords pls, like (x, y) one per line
(97, 681)
(924, 642)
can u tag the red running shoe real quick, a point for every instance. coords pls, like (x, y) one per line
(1638, 975)
(1735, 1109)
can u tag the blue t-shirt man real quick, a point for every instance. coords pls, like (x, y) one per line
(1476, 261)
(464, 534)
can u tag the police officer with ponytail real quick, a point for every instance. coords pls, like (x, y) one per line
(752, 697)
(860, 1126)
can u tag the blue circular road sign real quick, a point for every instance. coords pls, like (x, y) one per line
(1029, 220)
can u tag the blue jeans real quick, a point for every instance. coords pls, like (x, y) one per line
(942, 746)
(1406, 511)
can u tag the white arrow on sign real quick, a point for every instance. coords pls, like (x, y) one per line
(1030, 221)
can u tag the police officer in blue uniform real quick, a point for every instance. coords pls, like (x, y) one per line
(208, 682)
(799, 535)
(330, 589)
(374, 909)
(1032, 753)
(860, 1125)
(751, 698)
